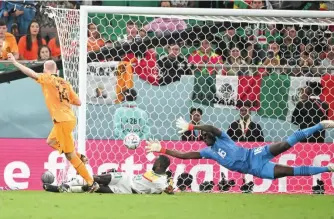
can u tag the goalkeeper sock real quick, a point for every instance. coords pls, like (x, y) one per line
(81, 169)
(302, 134)
(309, 170)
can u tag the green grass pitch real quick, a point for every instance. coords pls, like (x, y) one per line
(43, 205)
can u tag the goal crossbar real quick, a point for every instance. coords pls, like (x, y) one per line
(206, 12)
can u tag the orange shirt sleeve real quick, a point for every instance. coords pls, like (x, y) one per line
(43, 78)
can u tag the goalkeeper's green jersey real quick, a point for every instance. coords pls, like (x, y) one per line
(129, 118)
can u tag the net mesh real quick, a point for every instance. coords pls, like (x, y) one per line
(258, 78)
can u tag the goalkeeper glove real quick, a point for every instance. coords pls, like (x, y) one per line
(154, 146)
(183, 125)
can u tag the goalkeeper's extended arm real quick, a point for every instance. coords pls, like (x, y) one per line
(185, 126)
(155, 146)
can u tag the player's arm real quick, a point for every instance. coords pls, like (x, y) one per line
(27, 71)
(185, 126)
(74, 98)
(155, 146)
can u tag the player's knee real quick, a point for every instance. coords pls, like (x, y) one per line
(70, 155)
(51, 142)
(282, 171)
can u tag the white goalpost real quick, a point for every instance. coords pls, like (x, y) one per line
(248, 76)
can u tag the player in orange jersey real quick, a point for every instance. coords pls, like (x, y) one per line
(59, 96)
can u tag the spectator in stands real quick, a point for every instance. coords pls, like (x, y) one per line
(162, 26)
(245, 129)
(142, 33)
(23, 12)
(129, 118)
(182, 3)
(310, 110)
(131, 33)
(54, 46)
(299, 5)
(258, 4)
(95, 42)
(252, 4)
(231, 39)
(328, 62)
(30, 43)
(290, 48)
(46, 21)
(9, 44)
(235, 60)
(195, 118)
(205, 55)
(44, 53)
(15, 31)
(108, 44)
(170, 69)
(306, 63)
(273, 56)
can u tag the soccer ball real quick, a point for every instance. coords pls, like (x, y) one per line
(48, 177)
(131, 141)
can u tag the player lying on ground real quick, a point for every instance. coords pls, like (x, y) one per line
(248, 161)
(59, 96)
(151, 182)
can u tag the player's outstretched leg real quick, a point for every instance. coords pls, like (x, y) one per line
(82, 170)
(283, 171)
(280, 147)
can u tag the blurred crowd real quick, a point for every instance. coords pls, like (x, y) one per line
(30, 34)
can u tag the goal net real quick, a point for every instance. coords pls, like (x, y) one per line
(259, 75)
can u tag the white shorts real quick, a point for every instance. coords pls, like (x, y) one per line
(120, 183)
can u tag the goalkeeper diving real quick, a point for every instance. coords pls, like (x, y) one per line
(256, 161)
(154, 181)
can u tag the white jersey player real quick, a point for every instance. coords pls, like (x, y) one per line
(152, 182)
(122, 183)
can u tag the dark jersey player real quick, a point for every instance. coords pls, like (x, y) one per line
(254, 161)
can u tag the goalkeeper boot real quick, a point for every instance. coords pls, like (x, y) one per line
(327, 124)
(93, 188)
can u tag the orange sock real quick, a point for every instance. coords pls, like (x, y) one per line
(81, 169)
